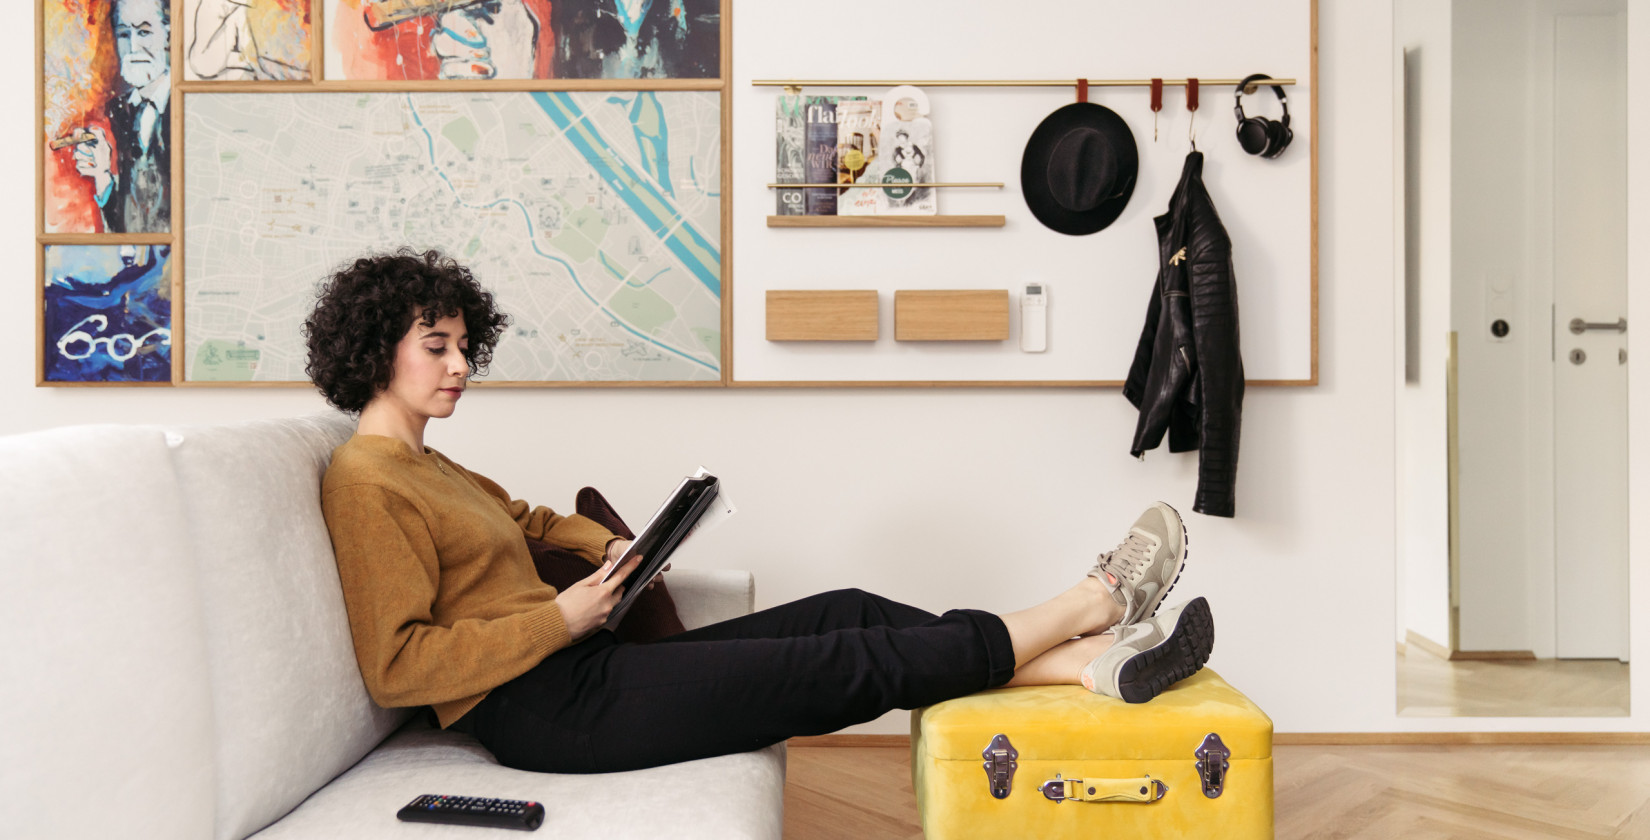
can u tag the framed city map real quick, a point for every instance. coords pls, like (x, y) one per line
(594, 217)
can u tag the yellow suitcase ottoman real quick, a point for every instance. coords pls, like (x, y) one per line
(1061, 761)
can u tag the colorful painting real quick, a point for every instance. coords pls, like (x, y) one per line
(108, 313)
(525, 39)
(108, 138)
(246, 40)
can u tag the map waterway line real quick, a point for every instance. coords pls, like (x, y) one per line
(533, 243)
(570, 119)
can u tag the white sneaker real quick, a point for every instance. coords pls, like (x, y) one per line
(1146, 565)
(1150, 656)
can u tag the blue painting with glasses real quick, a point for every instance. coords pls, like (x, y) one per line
(108, 313)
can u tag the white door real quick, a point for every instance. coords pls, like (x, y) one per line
(1590, 283)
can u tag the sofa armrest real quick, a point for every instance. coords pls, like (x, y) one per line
(706, 596)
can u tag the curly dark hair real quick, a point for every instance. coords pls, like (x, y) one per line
(366, 308)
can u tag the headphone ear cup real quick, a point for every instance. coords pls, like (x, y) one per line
(1252, 135)
(1281, 135)
(1274, 138)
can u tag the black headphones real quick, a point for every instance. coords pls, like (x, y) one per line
(1260, 135)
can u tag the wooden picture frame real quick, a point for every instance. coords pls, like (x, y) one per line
(174, 238)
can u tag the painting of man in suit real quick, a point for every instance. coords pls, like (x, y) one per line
(131, 171)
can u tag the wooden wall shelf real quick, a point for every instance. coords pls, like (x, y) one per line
(822, 315)
(884, 221)
(951, 315)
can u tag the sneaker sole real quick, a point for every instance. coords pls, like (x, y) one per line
(1151, 671)
(1180, 566)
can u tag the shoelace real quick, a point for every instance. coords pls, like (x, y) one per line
(1127, 559)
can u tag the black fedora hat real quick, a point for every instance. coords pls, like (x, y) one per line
(1079, 168)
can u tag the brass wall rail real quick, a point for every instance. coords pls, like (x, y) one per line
(1006, 82)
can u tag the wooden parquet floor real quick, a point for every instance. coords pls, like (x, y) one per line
(1430, 686)
(1328, 792)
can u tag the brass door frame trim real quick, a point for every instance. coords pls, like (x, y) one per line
(1452, 435)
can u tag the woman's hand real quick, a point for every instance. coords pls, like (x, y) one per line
(616, 549)
(586, 605)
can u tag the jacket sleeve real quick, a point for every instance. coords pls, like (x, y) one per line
(1220, 398)
(1172, 362)
(388, 567)
(574, 533)
(1134, 387)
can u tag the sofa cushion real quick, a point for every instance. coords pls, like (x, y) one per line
(107, 723)
(731, 797)
(291, 711)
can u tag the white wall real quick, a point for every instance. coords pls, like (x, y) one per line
(1422, 28)
(996, 499)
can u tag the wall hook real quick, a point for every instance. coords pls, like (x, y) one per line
(1191, 105)
(1157, 104)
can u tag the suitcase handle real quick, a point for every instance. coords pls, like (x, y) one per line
(1143, 789)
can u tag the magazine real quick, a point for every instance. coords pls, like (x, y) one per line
(789, 166)
(696, 504)
(821, 153)
(858, 122)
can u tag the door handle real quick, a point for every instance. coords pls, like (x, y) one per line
(1579, 326)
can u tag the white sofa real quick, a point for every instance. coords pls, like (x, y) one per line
(175, 662)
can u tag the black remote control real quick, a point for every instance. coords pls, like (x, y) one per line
(474, 810)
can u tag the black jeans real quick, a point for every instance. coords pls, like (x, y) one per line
(805, 668)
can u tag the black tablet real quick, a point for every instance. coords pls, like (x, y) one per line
(667, 528)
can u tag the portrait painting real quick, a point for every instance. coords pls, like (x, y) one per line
(246, 40)
(524, 39)
(108, 313)
(108, 82)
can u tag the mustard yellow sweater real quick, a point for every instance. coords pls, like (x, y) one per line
(444, 604)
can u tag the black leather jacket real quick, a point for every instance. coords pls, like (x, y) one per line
(1187, 376)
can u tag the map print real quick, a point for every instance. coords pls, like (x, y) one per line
(594, 218)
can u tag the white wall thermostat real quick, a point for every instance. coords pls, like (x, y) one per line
(1034, 318)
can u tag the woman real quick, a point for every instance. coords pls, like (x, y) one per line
(446, 609)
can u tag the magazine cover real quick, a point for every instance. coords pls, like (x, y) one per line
(789, 165)
(907, 153)
(858, 124)
(821, 153)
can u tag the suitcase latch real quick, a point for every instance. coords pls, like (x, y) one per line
(1001, 760)
(1212, 765)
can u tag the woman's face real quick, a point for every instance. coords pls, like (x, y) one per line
(430, 368)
